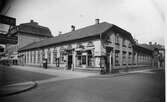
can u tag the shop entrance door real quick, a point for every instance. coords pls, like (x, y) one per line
(69, 62)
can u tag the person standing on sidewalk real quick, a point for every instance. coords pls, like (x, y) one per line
(45, 63)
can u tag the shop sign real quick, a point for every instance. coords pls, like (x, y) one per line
(84, 53)
(97, 53)
(7, 20)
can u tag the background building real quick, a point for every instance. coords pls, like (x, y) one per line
(26, 33)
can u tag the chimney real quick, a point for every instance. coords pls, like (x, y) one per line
(72, 28)
(32, 22)
(150, 43)
(97, 21)
(59, 33)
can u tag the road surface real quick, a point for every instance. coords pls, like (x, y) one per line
(135, 87)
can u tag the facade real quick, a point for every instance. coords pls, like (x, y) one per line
(102, 45)
(26, 33)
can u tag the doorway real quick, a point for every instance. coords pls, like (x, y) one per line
(69, 62)
(109, 59)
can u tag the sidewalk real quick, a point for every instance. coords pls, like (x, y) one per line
(62, 74)
(68, 74)
(13, 89)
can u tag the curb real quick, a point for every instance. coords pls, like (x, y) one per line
(6, 93)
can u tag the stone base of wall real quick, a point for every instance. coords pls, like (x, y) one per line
(93, 69)
(130, 68)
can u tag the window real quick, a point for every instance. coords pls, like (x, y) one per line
(130, 58)
(107, 38)
(43, 54)
(39, 57)
(31, 56)
(49, 56)
(117, 39)
(116, 58)
(27, 57)
(54, 56)
(123, 42)
(124, 58)
(130, 45)
(34, 57)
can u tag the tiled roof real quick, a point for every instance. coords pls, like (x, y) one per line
(34, 28)
(89, 31)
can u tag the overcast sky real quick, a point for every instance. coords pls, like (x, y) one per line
(145, 19)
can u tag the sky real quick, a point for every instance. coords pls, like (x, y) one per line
(145, 19)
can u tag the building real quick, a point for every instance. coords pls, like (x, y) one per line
(158, 54)
(101, 45)
(26, 33)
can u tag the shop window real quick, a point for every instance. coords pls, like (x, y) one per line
(62, 57)
(90, 59)
(84, 59)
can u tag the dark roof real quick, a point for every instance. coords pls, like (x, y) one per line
(89, 31)
(34, 28)
(152, 47)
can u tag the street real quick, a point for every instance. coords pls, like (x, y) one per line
(134, 87)
(11, 76)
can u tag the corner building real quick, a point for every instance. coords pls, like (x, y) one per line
(102, 45)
